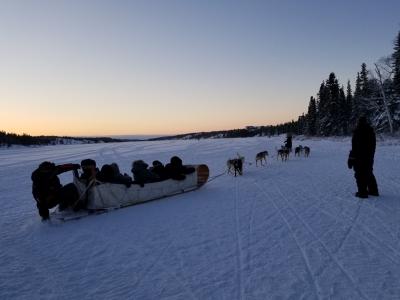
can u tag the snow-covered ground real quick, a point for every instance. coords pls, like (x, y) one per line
(289, 230)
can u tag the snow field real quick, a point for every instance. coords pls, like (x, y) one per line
(289, 230)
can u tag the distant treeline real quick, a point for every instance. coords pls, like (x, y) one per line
(8, 139)
(250, 131)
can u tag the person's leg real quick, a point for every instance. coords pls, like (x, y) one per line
(68, 196)
(371, 184)
(361, 179)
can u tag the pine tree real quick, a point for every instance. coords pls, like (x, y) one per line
(323, 110)
(356, 105)
(311, 117)
(349, 106)
(396, 66)
(343, 111)
(333, 126)
(364, 81)
(363, 94)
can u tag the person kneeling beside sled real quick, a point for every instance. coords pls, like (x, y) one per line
(49, 192)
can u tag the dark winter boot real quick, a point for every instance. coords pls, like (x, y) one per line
(372, 185)
(361, 195)
(373, 193)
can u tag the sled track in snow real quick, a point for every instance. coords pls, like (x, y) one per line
(156, 261)
(239, 256)
(304, 256)
(250, 233)
(180, 281)
(332, 256)
(354, 224)
(368, 205)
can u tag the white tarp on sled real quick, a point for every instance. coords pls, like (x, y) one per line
(110, 195)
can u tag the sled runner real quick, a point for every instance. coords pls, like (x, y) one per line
(103, 197)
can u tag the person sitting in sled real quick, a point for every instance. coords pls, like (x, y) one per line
(110, 173)
(89, 170)
(141, 174)
(48, 191)
(119, 177)
(176, 170)
(159, 169)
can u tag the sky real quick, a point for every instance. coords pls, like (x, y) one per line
(166, 67)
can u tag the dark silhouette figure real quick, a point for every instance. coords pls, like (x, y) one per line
(142, 174)
(159, 169)
(361, 158)
(49, 192)
(111, 174)
(176, 170)
(89, 170)
(288, 142)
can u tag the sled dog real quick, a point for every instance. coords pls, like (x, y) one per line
(306, 151)
(261, 156)
(283, 153)
(235, 164)
(298, 150)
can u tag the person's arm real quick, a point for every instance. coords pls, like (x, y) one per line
(355, 145)
(66, 167)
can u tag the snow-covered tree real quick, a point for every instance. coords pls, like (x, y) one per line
(311, 118)
(349, 106)
(396, 65)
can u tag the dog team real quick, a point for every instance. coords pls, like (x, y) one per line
(235, 165)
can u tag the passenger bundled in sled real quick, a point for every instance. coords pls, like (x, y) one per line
(158, 172)
(111, 173)
(142, 174)
(176, 170)
(159, 169)
(89, 170)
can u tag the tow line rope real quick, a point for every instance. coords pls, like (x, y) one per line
(216, 176)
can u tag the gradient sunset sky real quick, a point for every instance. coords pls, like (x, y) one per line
(166, 67)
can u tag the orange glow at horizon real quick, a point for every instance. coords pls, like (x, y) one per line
(50, 127)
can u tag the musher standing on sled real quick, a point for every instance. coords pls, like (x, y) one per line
(288, 142)
(49, 192)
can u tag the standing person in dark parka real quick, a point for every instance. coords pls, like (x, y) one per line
(361, 158)
(288, 142)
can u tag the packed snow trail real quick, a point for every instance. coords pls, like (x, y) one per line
(289, 230)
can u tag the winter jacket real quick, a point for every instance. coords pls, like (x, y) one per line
(141, 174)
(176, 170)
(46, 185)
(111, 174)
(363, 144)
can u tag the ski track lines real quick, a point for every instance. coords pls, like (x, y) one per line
(312, 280)
(296, 216)
(289, 230)
(371, 212)
(375, 242)
(239, 256)
(360, 229)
